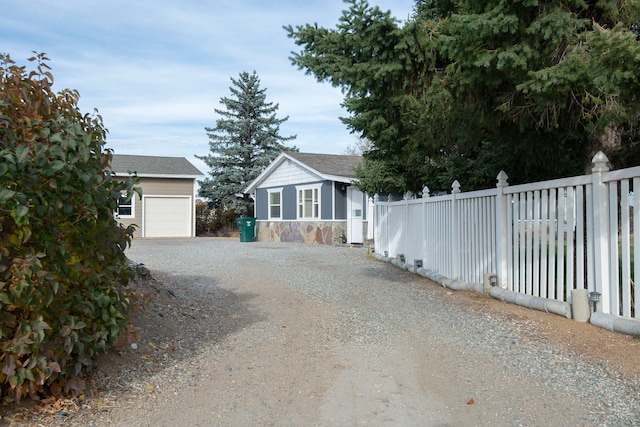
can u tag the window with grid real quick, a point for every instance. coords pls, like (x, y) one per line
(309, 203)
(275, 204)
(125, 207)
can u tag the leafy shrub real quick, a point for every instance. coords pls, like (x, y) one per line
(205, 219)
(62, 262)
(225, 224)
(215, 222)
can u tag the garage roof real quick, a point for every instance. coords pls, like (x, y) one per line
(154, 166)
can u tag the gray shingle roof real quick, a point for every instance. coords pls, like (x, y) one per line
(329, 164)
(154, 166)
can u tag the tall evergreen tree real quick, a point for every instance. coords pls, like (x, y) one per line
(466, 88)
(244, 141)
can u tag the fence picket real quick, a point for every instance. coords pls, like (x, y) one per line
(510, 243)
(625, 273)
(553, 224)
(579, 257)
(528, 235)
(536, 244)
(614, 281)
(522, 218)
(636, 253)
(570, 252)
(561, 226)
(544, 213)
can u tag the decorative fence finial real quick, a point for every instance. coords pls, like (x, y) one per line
(425, 192)
(600, 161)
(456, 187)
(502, 179)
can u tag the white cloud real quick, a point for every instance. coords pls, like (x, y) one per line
(156, 69)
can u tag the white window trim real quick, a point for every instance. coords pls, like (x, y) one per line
(298, 202)
(133, 209)
(269, 192)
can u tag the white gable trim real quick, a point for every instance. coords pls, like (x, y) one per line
(282, 158)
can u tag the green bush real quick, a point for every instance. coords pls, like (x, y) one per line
(62, 264)
(205, 219)
(215, 222)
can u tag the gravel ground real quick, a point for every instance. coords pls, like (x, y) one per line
(283, 334)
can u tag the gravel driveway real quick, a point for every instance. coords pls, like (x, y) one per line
(299, 335)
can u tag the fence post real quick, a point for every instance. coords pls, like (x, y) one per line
(371, 215)
(407, 196)
(601, 231)
(377, 233)
(388, 223)
(425, 195)
(501, 229)
(456, 229)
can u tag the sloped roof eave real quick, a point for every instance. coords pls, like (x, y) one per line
(338, 178)
(157, 175)
(153, 166)
(278, 161)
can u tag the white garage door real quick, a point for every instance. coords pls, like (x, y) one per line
(167, 217)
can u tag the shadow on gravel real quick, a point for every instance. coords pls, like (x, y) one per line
(185, 315)
(389, 273)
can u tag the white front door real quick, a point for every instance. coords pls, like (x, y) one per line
(354, 215)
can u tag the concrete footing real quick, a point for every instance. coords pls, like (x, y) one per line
(616, 324)
(579, 310)
(560, 308)
(580, 305)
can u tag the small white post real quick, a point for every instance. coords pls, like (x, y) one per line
(455, 229)
(601, 231)
(407, 196)
(501, 229)
(370, 217)
(376, 224)
(425, 195)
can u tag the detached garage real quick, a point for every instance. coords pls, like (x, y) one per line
(167, 208)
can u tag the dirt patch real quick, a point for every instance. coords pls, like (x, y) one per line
(615, 351)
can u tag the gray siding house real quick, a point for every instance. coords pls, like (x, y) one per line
(167, 207)
(308, 198)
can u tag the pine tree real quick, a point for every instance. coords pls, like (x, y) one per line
(243, 142)
(464, 88)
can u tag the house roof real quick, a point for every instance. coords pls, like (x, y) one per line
(332, 167)
(154, 166)
(329, 164)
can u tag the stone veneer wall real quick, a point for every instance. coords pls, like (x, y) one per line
(322, 233)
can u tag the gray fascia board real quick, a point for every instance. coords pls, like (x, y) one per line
(152, 175)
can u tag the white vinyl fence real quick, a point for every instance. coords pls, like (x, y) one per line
(542, 239)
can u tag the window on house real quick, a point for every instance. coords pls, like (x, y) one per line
(309, 203)
(125, 207)
(275, 204)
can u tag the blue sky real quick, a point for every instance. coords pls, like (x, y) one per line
(156, 69)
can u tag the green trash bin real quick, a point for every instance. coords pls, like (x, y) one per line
(246, 226)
